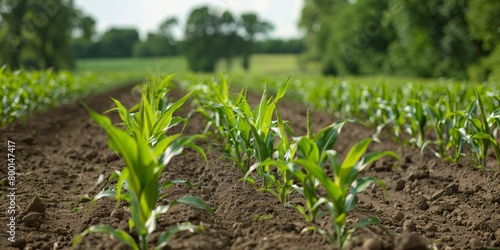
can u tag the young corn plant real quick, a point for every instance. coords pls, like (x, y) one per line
(155, 115)
(264, 131)
(312, 148)
(261, 124)
(456, 141)
(344, 186)
(140, 177)
(152, 120)
(417, 119)
(479, 131)
(232, 125)
(279, 182)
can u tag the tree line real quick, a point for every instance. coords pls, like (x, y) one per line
(430, 38)
(53, 33)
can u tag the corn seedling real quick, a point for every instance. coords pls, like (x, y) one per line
(479, 131)
(344, 186)
(155, 115)
(279, 182)
(140, 177)
(312, 148)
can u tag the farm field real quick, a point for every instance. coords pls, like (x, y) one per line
(62, 153)
(138, 68)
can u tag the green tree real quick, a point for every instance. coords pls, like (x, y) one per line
(411, 37)
(117, 42)
(232, 42)
(203, 43)
(252, 27)
(162, 43)
(37, 33)
(484, 23)
(433, 38)
(83, 42)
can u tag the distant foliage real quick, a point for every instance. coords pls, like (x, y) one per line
(210, 36)
(419, 38)
(36, 34)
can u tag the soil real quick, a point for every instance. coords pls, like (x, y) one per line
(61, 153)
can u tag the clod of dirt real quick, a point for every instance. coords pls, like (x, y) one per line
(400, 185)
(437, 194)
(19, 243)
(410, 241)
(422, 204)
(419, 174)
(475, 243)
(28, 140)
(91, 155)
(117, 213)
(33, 219)
(35, 205)
(409, 225)
(73, 154)
(451, 189)
(430, 228)
(380, 166)
(491, 197)
(398, 216)
(373, 244)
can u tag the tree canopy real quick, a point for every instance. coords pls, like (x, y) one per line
(444, 38)
(210, 36)
(37, 33)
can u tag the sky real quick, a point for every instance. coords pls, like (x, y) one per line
(146, 15)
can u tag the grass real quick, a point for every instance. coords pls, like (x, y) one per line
(261, 64)
(132, 67)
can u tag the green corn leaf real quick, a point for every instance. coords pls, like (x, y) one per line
(371, 157)
(151, 223)
(355, 153)
(362, 183)
(162, 124)
(163, 143)
(120, 142)
(196, 202)
(147, 117)
(307, 149)
(115, 233)
(123, 176)
(310, 134)
(168, 184)
(166, 82)
(328, 136)
(485, 126)
(166, 236)
(332, 189)
(123, 112)
(282, 89)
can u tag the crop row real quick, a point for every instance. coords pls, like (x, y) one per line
(259, 142)
(451, 120)
(23, 92)
(274, 159)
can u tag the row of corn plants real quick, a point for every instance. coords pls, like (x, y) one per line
(143, 142)
(273, 159)
(452, 120)
(444, 118)
(23, 92)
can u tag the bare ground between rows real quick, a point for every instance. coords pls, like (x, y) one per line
(61, 153)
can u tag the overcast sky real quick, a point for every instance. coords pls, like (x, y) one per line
(146, 15)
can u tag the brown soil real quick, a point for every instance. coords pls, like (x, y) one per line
(61, 153)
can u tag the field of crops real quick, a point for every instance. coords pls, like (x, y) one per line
(201, 162)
